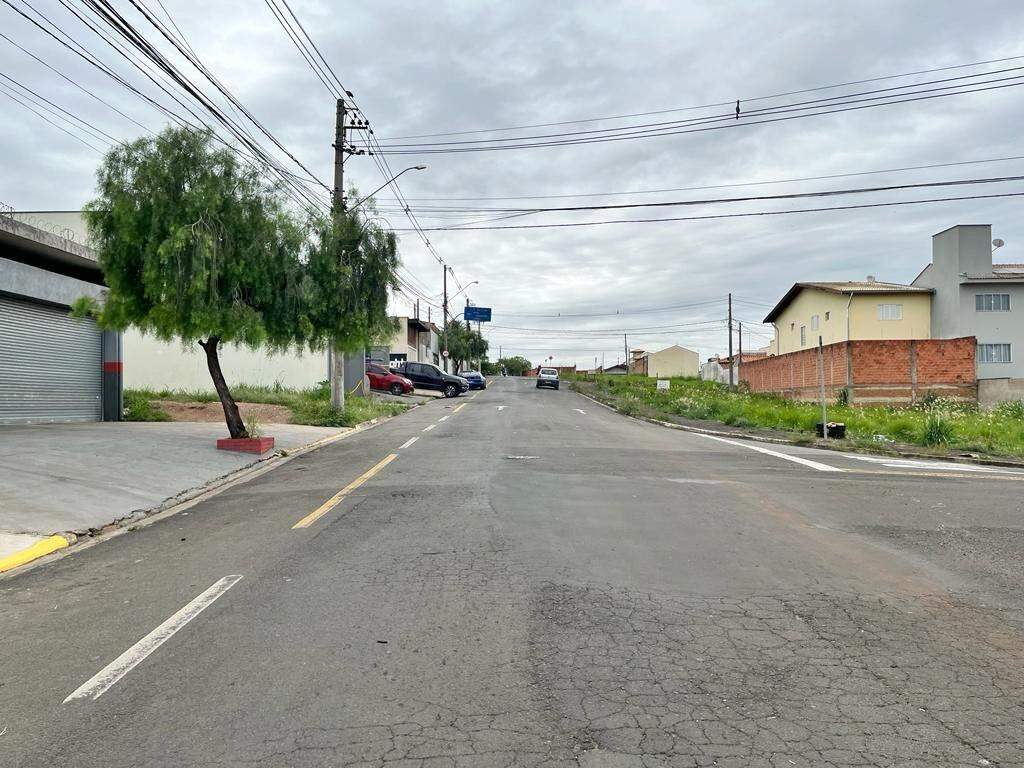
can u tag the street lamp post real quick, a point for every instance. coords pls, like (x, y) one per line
(378, 189)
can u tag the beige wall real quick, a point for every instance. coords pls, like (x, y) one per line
(153, 364)
(673, 361)
(864, 322)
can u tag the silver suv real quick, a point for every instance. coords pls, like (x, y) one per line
(547, 377)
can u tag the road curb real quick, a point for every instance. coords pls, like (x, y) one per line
(823, 446)
(70, 543)
(40, 549)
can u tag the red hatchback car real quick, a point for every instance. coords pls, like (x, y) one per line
(387, 380)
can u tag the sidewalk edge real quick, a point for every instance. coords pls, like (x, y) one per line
(993, 462)
(28, 558)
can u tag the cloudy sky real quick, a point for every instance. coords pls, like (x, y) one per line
(443, 68)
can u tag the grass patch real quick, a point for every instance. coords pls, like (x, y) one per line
(308, 406)
(137, 407)
(933, 422)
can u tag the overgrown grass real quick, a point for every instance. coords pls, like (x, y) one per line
(931, 422)
(308, 406)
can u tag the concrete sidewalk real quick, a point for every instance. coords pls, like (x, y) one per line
(57, 478)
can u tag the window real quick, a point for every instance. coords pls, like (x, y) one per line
(890, 311)
(803, 335)
(994, 353)
(992, 302)
(814, 322)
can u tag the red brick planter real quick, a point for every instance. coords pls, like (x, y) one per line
(246, 444)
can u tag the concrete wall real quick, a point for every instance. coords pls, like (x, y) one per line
(43, 285)
(68, 224)
(876, 372)
(153, 364)
(864, 323)
(961, 256)
(673, 361)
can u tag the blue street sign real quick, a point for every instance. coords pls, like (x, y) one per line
(480, 314)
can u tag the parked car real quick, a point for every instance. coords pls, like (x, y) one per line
(475, 378)
(547, 377)
(429, 376)
(387, 380)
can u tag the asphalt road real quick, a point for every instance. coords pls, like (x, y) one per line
(533, 580)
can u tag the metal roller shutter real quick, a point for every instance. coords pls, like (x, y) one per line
(49, 365)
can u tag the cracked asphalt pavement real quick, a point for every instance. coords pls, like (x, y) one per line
(546, 583)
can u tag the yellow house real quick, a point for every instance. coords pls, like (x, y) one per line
(851, 311)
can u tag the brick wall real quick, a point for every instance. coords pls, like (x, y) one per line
(875, 372)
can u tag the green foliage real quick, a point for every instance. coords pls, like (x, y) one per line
(309, 406)
(515, 366)
(843, 398)
(934, 422)
(137, 407)
(937, 429)
(463, 344)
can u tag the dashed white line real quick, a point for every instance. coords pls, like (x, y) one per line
(443, 418)
(427, 429)
(500, 407)
(408, 442)
(788, 457)
(103, 680)
(580, 410)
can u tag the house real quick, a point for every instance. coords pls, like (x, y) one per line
(717, 367)
(415, 341)
(849, 311)
(619, 369)
(665, 363)
(972, 296)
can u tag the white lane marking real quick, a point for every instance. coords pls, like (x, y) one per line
(103, 680)
(427, 429)
(500, 407)
(896, 463)
(408, 442)
(580, 410)
(788, 457)
(443, 418)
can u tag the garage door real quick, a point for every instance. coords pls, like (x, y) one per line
(49, 365)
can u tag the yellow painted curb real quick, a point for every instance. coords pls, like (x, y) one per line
(37, 550)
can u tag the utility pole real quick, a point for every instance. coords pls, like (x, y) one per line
(336, 355)
(821, 389)
(731, 381)
(625, 346)
(464, 315)
(739, 359)
(444, 308)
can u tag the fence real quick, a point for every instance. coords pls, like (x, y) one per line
(890, 372)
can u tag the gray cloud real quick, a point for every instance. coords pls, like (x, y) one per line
(424, 68)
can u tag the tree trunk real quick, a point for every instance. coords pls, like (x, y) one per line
(236, 427)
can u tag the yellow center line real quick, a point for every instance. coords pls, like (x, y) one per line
(332, 502)
(458, 408)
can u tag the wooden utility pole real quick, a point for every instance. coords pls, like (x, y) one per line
(731, 380)
(821, 386)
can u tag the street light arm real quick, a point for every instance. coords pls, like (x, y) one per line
(378, 189)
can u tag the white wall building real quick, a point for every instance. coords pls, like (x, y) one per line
(975, 297)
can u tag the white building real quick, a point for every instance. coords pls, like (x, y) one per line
(975, 297)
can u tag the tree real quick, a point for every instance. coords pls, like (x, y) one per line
(515, 366)
(463, 344)
(194, 245)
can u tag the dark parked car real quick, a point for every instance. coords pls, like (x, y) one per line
(429, 376)
(476, 380)
(387, 380)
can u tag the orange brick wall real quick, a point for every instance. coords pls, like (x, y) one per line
(877, 372)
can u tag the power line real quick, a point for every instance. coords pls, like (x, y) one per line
(724, 122)
(729, 215)
(710, 105)
(11, 95)
(711, 186)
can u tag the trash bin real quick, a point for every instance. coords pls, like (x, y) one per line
(835, 429)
